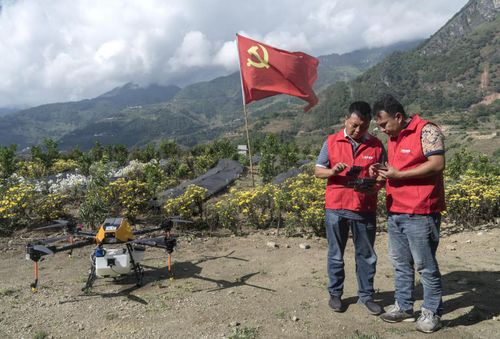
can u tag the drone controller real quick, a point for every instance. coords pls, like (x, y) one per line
(354, 171)
(362, 184)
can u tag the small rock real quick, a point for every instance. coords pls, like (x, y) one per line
(493, 249)
(272, 244)
(294, 318)
(496, 318)
(468, 241)
(454, 241)
(304, 246)
(10, 242)
(287, 246)
(230, 292)
(234, 324)
(451, 247)
(479, 233)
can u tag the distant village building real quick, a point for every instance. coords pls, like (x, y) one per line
(243, 149)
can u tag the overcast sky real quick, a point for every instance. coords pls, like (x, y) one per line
(61, 50)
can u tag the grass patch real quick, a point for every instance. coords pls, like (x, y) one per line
(40, 335)
(244, 333)
(399, 331)
(281, 314)
(5, 292)
(360, 335)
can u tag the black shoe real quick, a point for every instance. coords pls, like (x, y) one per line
(372, 306)
(335, 303)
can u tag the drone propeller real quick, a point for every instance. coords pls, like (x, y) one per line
(53, 239)
(42, 249)
(57, 225)
(181, 221)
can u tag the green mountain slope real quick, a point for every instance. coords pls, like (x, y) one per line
(455, 69)
(55, 120)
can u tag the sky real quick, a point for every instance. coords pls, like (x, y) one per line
(67, 50)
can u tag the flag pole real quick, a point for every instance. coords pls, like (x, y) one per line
(246, 118)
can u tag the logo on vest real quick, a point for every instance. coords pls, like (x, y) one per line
(406, 151)
(369, 157)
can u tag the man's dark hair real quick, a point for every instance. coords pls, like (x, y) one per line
(389, 104)
(361, 109)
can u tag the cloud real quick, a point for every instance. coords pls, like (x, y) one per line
(59, 50)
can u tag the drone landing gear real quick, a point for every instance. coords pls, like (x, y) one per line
(138, 270)
(91, 278)
(35, 283)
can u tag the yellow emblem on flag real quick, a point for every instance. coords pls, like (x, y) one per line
(262, 61)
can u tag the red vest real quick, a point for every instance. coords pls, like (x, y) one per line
(412, 196)
(338, 196)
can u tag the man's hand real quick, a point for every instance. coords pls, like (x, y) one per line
(389, 172)
(339, 167)
(374, 169)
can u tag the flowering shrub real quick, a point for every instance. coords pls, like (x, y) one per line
(31, 169)
(134, 169)
(188, 204)
(49, 206)
(129, 197)
(73, 185)
(298, 203)
(62, 165)
(256, 206)
(473, 199)
(304, 203)
(15, 204)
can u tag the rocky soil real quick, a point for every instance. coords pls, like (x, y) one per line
(260, 285)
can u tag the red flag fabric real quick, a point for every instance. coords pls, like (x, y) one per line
(268, 71)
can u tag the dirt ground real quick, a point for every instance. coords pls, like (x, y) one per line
(240, 287)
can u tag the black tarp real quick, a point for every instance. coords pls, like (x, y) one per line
(214, 180)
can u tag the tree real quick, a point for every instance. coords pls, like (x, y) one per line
(8, 160)
(168, 149)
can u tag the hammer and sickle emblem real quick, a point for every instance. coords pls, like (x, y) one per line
(263, 61)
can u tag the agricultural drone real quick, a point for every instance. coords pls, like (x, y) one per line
(117, 250)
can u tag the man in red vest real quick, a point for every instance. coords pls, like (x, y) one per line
(415, 200)
(344, 157)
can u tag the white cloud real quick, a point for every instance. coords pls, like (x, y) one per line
(59, 50)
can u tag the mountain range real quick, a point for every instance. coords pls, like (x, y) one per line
(454, 71)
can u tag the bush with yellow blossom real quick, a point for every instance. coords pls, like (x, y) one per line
(129, 197)
(188, 204)
(63, 165)
(473, 199)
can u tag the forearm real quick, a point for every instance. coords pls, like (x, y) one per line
(323, 172)
(433, 165)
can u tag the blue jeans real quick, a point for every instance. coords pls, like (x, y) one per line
(363, 233)
(413, 241)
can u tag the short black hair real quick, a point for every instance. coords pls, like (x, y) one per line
(389, 104)
(362, 109)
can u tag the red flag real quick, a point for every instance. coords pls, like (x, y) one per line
(268, 71)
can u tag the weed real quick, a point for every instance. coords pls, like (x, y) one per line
(359, 335)
(8, 291)
(399, 331)
(111, 316)
(40, 335)
(244, 333)
(281, 314)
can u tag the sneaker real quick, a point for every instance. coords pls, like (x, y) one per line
(335, 303)
(371, 306)
(395, 314)
(428, 322)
